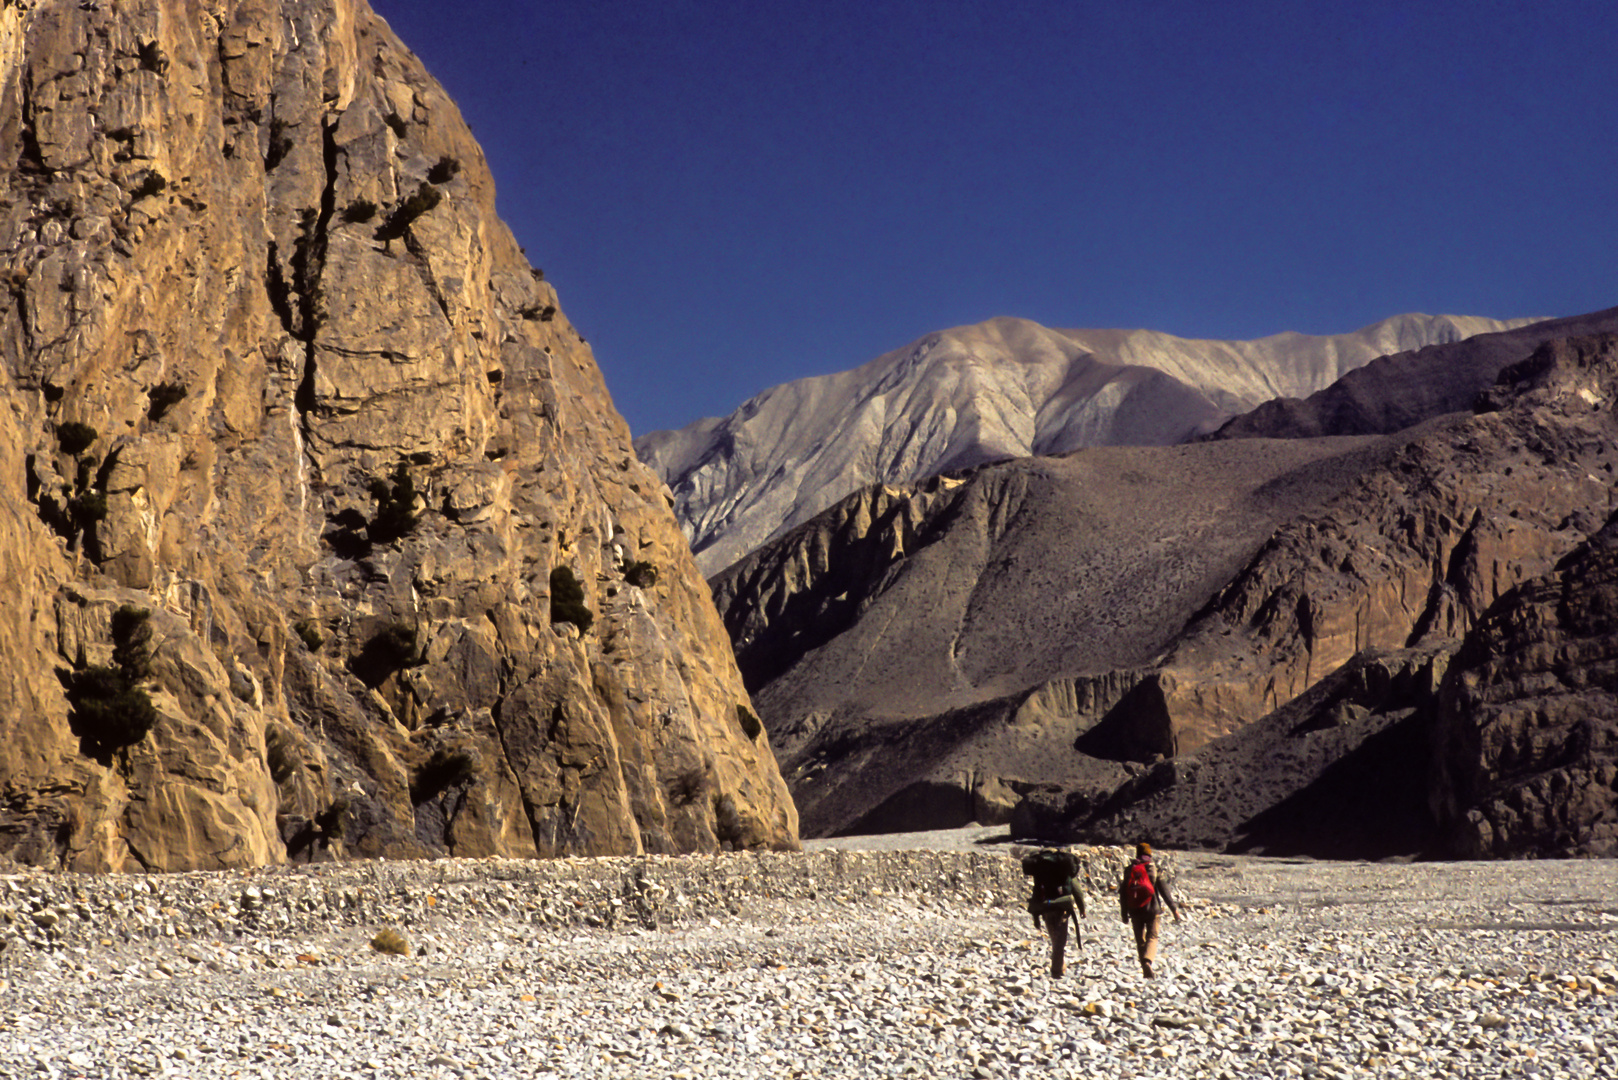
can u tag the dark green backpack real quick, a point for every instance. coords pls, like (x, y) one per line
(1052, 871)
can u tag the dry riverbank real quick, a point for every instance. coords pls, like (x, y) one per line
(826, 963)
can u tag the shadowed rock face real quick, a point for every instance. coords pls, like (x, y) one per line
(1341, 771)
(1393, 392)
(1001, 389)
(1055, 636)
(1527, 729)
(342, 437)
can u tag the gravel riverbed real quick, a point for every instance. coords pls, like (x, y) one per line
(826, 963)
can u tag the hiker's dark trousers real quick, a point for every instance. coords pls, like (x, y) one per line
(1144, 924)
(1056, 927)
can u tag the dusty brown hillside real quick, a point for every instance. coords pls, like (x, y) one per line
(274, 373)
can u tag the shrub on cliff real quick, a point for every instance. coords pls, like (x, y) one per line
(444, 171)
(75, 438)
(111, 709)
(408, 210)
(395, 507)
(567, 600)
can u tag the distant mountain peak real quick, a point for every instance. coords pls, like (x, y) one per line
(1005, 387)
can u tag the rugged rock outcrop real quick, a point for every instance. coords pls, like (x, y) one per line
(1394, 392)
(1175, 603)
(275, 374)
(1527, 729)
(1344, 770)
(1001, 389)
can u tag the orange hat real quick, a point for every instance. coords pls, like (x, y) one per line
(1143, 851)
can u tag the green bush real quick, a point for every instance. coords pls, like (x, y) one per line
(751, 725)
(88, 508)
(309, 633)
(395, 507)
(444, 171)
(641, 574)
(358, 211)
(567, 600)
(132, 641)
(408, 210)
(74, 437)
(111, 710)
(109, 713)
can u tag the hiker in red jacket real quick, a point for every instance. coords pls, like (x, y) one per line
(1141, 896)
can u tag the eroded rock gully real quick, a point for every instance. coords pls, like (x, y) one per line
(275, 373)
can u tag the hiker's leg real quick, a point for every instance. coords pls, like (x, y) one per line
(1137, 923)
(1148, 955)
(1056, 926)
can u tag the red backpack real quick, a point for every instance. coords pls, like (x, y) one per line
(1139, 892)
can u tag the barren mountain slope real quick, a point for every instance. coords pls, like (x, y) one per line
(273, 372)
(963, 599)
(1000, 389)
(982, 632)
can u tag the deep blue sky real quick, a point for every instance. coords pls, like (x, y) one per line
(728, 194)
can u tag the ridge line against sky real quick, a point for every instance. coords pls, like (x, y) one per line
(732, 195)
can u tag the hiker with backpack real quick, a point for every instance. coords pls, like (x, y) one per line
(1142, 894)
(1057, 899)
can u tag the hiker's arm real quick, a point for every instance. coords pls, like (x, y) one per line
(1078, 895)
(1168, 898)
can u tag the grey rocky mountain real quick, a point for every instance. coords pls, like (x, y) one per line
(1268, 621)
(1001, 389)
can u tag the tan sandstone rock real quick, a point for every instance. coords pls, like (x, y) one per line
(253, 246)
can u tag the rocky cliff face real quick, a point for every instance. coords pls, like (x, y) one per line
(1055, 646)
(1002, 389)
(1526, 738)
(275, 374)
(1527, 728)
